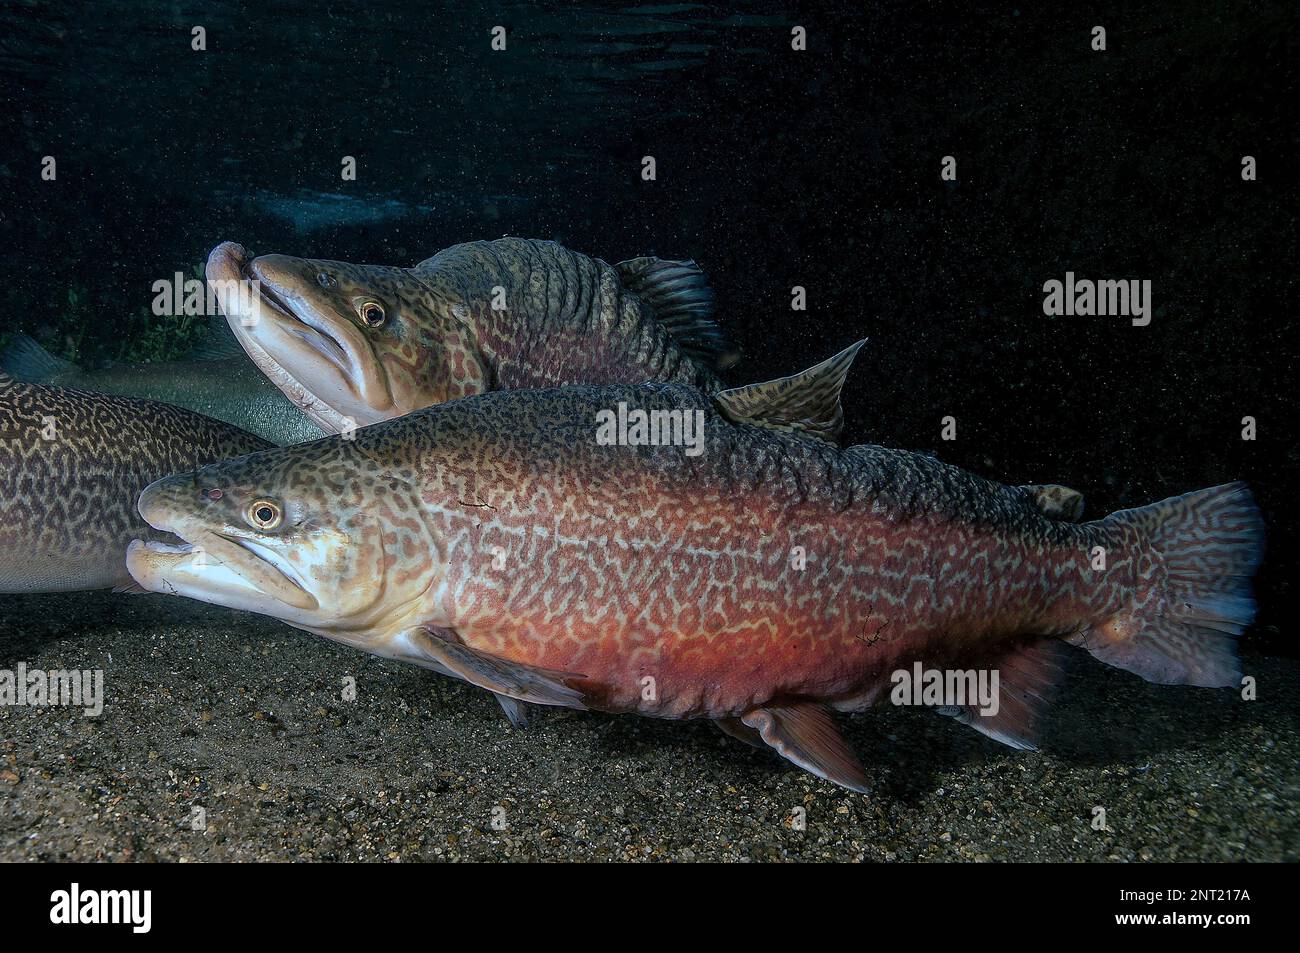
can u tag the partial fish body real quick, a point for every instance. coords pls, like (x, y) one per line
(354, 345)
(764, 583)
(219, 381)
(72, 464)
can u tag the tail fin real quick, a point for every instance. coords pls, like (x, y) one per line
(27, 361)
(1181, 629)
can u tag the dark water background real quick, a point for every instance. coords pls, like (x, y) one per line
(775, 169)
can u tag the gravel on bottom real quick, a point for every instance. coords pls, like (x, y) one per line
(226, 736)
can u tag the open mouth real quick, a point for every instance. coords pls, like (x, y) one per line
(169, 549)
(270, 557)
(331, 374)
(218, 563)
(313, 332)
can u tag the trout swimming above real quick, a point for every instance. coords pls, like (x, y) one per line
(72, 465)
(571, 547)
(354, 345)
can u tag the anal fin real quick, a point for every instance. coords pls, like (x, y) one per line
(805, 733)
(1027, 680)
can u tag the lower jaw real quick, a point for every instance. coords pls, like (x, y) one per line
(239, 599)
(322, 414)
(316, 410)
(328, 417)
(165, 568)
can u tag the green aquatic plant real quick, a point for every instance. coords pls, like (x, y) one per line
(79, 333)
(162, 337)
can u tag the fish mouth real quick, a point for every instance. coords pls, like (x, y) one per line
(217, 567)
(302, 324)
(324, 365)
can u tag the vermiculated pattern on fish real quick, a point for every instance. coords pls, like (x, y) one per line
(72, 464)
(354, 345)
(495, 539)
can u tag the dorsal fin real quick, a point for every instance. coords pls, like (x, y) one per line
(1056, 502)
(807, 402)
(680, 297)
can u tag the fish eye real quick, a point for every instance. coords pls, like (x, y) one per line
(265, 514)
(372, 314)
(326, 280)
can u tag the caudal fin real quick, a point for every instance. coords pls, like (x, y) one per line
(27, 361)
(1199, 552)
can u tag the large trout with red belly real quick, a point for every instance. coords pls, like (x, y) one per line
(655, 550)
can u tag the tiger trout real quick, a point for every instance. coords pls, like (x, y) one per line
(218, 381)
(657, 550)
(354, 345)
(72, 465)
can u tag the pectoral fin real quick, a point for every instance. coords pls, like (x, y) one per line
(740, 731)
(805, 733)
(500, 676)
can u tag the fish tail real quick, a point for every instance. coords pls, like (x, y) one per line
(1191, 597)
(25, 360)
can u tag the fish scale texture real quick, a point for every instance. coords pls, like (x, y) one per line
(72, 464)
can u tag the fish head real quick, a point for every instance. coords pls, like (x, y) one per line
(351, 345)
(315, 535)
